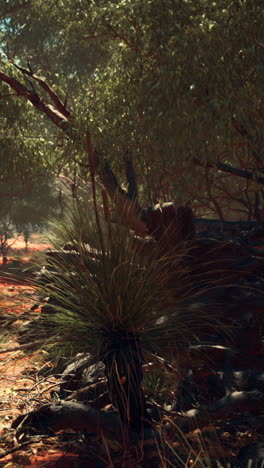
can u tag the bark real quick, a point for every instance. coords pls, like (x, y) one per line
(38, 102)
(70, 415)
(123, 368)
(131, 176)
(128, 211)
(54, 97)
(78, 417)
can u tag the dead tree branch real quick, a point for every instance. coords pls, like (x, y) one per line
(220, 409)
(231, 170)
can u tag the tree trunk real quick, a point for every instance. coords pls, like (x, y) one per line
(122, 359)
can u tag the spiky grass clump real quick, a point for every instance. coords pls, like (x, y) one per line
(116, 301)
(118, 287)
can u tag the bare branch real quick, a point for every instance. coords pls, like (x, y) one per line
(232, 170)
(54, 97)
(130, 211)
(38, 102)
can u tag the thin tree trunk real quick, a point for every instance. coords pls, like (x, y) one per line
(124, 373)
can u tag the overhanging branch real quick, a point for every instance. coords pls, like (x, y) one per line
(38, 102)
(130, 211)
(230, 169)
(54, 97)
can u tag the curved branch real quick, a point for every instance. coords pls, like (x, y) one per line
(38, 102)
(54, 97)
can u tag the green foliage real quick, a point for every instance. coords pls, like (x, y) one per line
(162, 79)
(36, 206)
(25, 208)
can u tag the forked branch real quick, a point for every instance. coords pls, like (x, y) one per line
(62, 118)
(60, 106)
(39, 103)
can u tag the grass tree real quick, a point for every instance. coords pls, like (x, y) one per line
(115, 301)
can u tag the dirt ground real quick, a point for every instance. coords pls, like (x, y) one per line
(23, 384)
(24, 387)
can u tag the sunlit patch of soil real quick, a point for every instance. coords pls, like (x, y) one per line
(34, 245)
(16, 298)
(21, 384)
(19, 251)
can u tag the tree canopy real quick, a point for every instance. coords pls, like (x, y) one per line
(178, 85)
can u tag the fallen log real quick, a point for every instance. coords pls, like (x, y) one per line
(79, 417)
(65, 415)
(70, 415)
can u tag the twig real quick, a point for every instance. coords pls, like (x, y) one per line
(86, 389)
(19, 347)
(15, 449)
(230, 169)
(49, 388)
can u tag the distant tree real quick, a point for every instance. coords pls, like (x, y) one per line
(35, 207)
(5, 225)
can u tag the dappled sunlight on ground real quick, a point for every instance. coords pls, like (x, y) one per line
(12, 296)
(36, 243)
